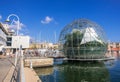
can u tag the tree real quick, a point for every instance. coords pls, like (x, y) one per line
(73, 48)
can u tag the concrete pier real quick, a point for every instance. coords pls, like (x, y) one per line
(38, 62)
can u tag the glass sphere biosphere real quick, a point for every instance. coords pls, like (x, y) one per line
(83, 39)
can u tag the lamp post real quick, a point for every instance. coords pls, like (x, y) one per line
(18, 21)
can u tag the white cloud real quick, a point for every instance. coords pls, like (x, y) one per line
(47, 20)
(0, 17)
(14, 25)
(25, 31)
(22, 28)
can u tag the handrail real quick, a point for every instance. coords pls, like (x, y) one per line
(18, 74)
(22, 70)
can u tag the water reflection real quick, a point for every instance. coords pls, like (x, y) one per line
(75, 72)
(114, 71)
(44, 71)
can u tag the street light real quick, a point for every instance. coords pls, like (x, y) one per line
(8, 19)
(18, 21)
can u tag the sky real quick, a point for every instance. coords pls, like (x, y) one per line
(44, 19)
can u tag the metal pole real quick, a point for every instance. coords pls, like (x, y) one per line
(16, 33)
(22, 77)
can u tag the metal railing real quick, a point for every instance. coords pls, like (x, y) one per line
(18, 74)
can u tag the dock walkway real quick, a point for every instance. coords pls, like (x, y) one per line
(7, 70)
(5, 67)
(30, 75)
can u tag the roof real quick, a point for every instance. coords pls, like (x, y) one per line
(3, 29)
(115, 49)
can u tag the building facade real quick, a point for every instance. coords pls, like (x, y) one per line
(3, 39)
(9, 42)
(17, 41)
(114, 48)
(13, 42)
(43, 45)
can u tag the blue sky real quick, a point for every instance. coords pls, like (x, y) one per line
(45, 17)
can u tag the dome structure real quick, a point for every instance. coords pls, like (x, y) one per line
(83, 39)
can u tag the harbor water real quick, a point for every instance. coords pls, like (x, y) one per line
(107, 71)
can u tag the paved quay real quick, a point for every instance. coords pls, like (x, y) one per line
(30, 75)
(7, 69)
(9, 74)
(5, 66)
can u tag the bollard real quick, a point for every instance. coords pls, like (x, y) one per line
(30, 64)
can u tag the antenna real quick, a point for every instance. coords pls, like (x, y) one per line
(40, 37)
(55, 36)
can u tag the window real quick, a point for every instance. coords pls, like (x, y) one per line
(9, 39)
(8, 44)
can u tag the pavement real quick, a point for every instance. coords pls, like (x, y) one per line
(5, 66)
(30, 75)
(7, 69)
(9, 75)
